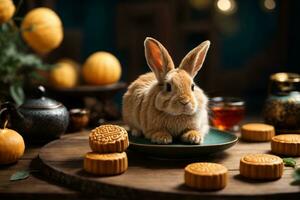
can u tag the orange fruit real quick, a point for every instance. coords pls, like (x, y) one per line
(7, 10)
(12, 146)
(101, 68)
(42, 30)
(64, 74)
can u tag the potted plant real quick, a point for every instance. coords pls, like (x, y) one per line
(40, 30)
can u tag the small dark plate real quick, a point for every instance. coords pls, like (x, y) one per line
(215, 141)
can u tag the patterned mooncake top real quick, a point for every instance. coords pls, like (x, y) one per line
(108, 134)
(257, 127)
(206, 168)
(261, 159)
(287, 138)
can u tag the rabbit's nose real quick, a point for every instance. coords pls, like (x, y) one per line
(184, 101)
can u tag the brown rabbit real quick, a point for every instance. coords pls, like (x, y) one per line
(166, 103)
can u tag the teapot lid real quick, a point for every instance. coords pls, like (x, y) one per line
(39, 101)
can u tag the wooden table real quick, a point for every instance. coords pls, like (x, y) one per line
(168, 186)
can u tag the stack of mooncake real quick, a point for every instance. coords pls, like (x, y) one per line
(108, 157)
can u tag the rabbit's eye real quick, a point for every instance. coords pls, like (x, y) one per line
(168, 87)
(193, 86)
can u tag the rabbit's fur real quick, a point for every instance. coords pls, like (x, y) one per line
(166, 103)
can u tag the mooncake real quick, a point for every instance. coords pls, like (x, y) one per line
(105, 164)
(108, 139)
(261, 166)
(206, 176)
(287, 145)
(257, 132)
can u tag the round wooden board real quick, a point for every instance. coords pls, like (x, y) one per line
(149, 178)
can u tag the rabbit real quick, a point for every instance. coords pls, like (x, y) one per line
(166, 103)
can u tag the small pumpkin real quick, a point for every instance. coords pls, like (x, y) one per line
(42, 30)
(12, 146)
(101, 68)
(7, 10)
(64, 74)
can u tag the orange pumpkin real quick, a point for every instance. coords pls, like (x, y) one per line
(101, 68)
(64, 74)
(7, 10)
(42, 30)
(12, 146)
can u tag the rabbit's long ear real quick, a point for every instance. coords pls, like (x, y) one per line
(194, 60)
(158, 58)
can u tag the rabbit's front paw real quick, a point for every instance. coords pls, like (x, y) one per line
(161, 137)
(192, 137)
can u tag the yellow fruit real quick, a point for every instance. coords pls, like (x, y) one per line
(12, 146)
(101, 68)
(7, 10)
(63, 75)
(42, 30)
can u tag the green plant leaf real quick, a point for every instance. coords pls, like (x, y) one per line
(289, 162)
(17, 66)
(17, 93)
(20, 175)
(30, 60)
(296, 176)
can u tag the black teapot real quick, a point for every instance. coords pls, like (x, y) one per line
(38, 119)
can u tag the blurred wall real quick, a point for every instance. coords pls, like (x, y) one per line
(247, 45)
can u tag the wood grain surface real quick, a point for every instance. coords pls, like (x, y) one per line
(149, 178)
(34, 187)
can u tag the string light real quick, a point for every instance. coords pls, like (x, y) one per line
(226, 6)
(269, 5)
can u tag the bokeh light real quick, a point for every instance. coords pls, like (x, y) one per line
(269, 5)
(226, 6)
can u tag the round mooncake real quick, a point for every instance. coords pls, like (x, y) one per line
(206, 176)
(287, 144)
(105, 164)
(261, 166)
(257, 132)
(108, 139)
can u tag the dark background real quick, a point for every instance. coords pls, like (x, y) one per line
(248, 45)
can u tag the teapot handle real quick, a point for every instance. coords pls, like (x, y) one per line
(9, 110)
(4, 115)
(8, 105)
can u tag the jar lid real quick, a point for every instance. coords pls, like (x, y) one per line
(285, 77)
(39, 101)
(283, 83)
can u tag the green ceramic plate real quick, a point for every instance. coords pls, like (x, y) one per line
(215, 141)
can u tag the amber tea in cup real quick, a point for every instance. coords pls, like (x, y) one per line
(226, 112)
(79, 119)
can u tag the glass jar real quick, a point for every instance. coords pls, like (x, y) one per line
(282, 107)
